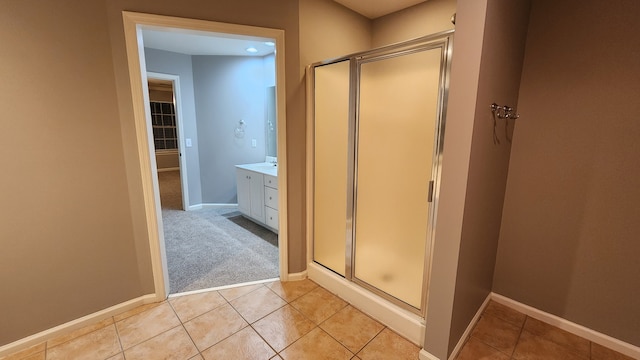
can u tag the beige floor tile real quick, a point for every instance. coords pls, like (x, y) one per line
(352, 328)
(505, 313)
(574, 343)
(316, 345)
(257, 304)
(197, 357)
(147, 324)
(136, 311)
(277, 357)
(38, 356)
(243, 345)
(189, 306)
(497, 333)
(100, 344)
(172, 344)
(318, 305)
(389, 345)
(214, 326)
(292, 290)
(282, 327)
(120, 356)
(599, 352)
(531, 347)
(30, 351)
(236, 292)
(475, 349)
(79, 332)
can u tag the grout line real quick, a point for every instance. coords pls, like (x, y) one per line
(513, 352)
(185, 329)
(118, 335)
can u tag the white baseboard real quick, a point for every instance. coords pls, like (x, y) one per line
(591, 335)
(297, 276)
(75, 324)
(209, 206)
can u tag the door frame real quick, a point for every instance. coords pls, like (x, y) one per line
(182, 160)
(134, 23)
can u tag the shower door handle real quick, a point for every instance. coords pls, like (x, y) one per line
(430, 196)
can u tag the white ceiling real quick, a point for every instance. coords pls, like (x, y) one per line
(202, 43)
(376, 8)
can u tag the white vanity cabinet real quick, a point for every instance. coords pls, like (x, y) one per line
(257, 186)
(250, 194)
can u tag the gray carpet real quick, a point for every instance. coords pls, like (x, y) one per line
(214, 246)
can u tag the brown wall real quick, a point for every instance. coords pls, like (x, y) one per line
(65, 231)
(499, 79)
(569, 241)
(73, 229)
(423, 19)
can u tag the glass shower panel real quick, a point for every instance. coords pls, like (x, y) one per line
(330, 170)
(398, 111)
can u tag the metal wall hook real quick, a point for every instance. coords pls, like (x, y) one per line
(504, 112)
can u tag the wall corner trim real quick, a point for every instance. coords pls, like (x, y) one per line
(576, 329)
(425, 355)
(297, 276)
(75, 324)
(472, 324)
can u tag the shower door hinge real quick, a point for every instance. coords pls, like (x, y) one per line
(430, 197)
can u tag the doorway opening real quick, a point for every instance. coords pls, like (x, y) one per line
(200, 197)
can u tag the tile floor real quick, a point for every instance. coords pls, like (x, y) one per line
(503, 334)
(294, 320)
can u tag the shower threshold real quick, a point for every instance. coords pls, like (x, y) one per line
(405, 323)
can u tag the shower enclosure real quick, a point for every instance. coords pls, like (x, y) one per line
(376, 142)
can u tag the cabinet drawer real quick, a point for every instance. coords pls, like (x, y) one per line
(271, 181)
(272, 217)
(271, 197)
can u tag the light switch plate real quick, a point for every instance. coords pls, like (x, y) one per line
(188, 142)
(254, 142)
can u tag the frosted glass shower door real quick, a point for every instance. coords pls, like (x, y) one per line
(398, 112)
(331, 86)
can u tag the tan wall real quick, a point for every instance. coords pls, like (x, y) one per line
(65, 231)
(423, 19)
(321, 39)
(73, 227)
(500, 68)
(159, 95)
(569, 241)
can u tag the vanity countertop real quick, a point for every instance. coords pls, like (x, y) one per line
(263, 168)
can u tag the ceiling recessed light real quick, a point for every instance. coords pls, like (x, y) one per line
(270, 43)
(252, 50)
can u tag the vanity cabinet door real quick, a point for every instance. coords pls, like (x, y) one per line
(250, 194)
(257, 196)
(243, 183)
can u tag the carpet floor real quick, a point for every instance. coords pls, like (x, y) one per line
(214, 246)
